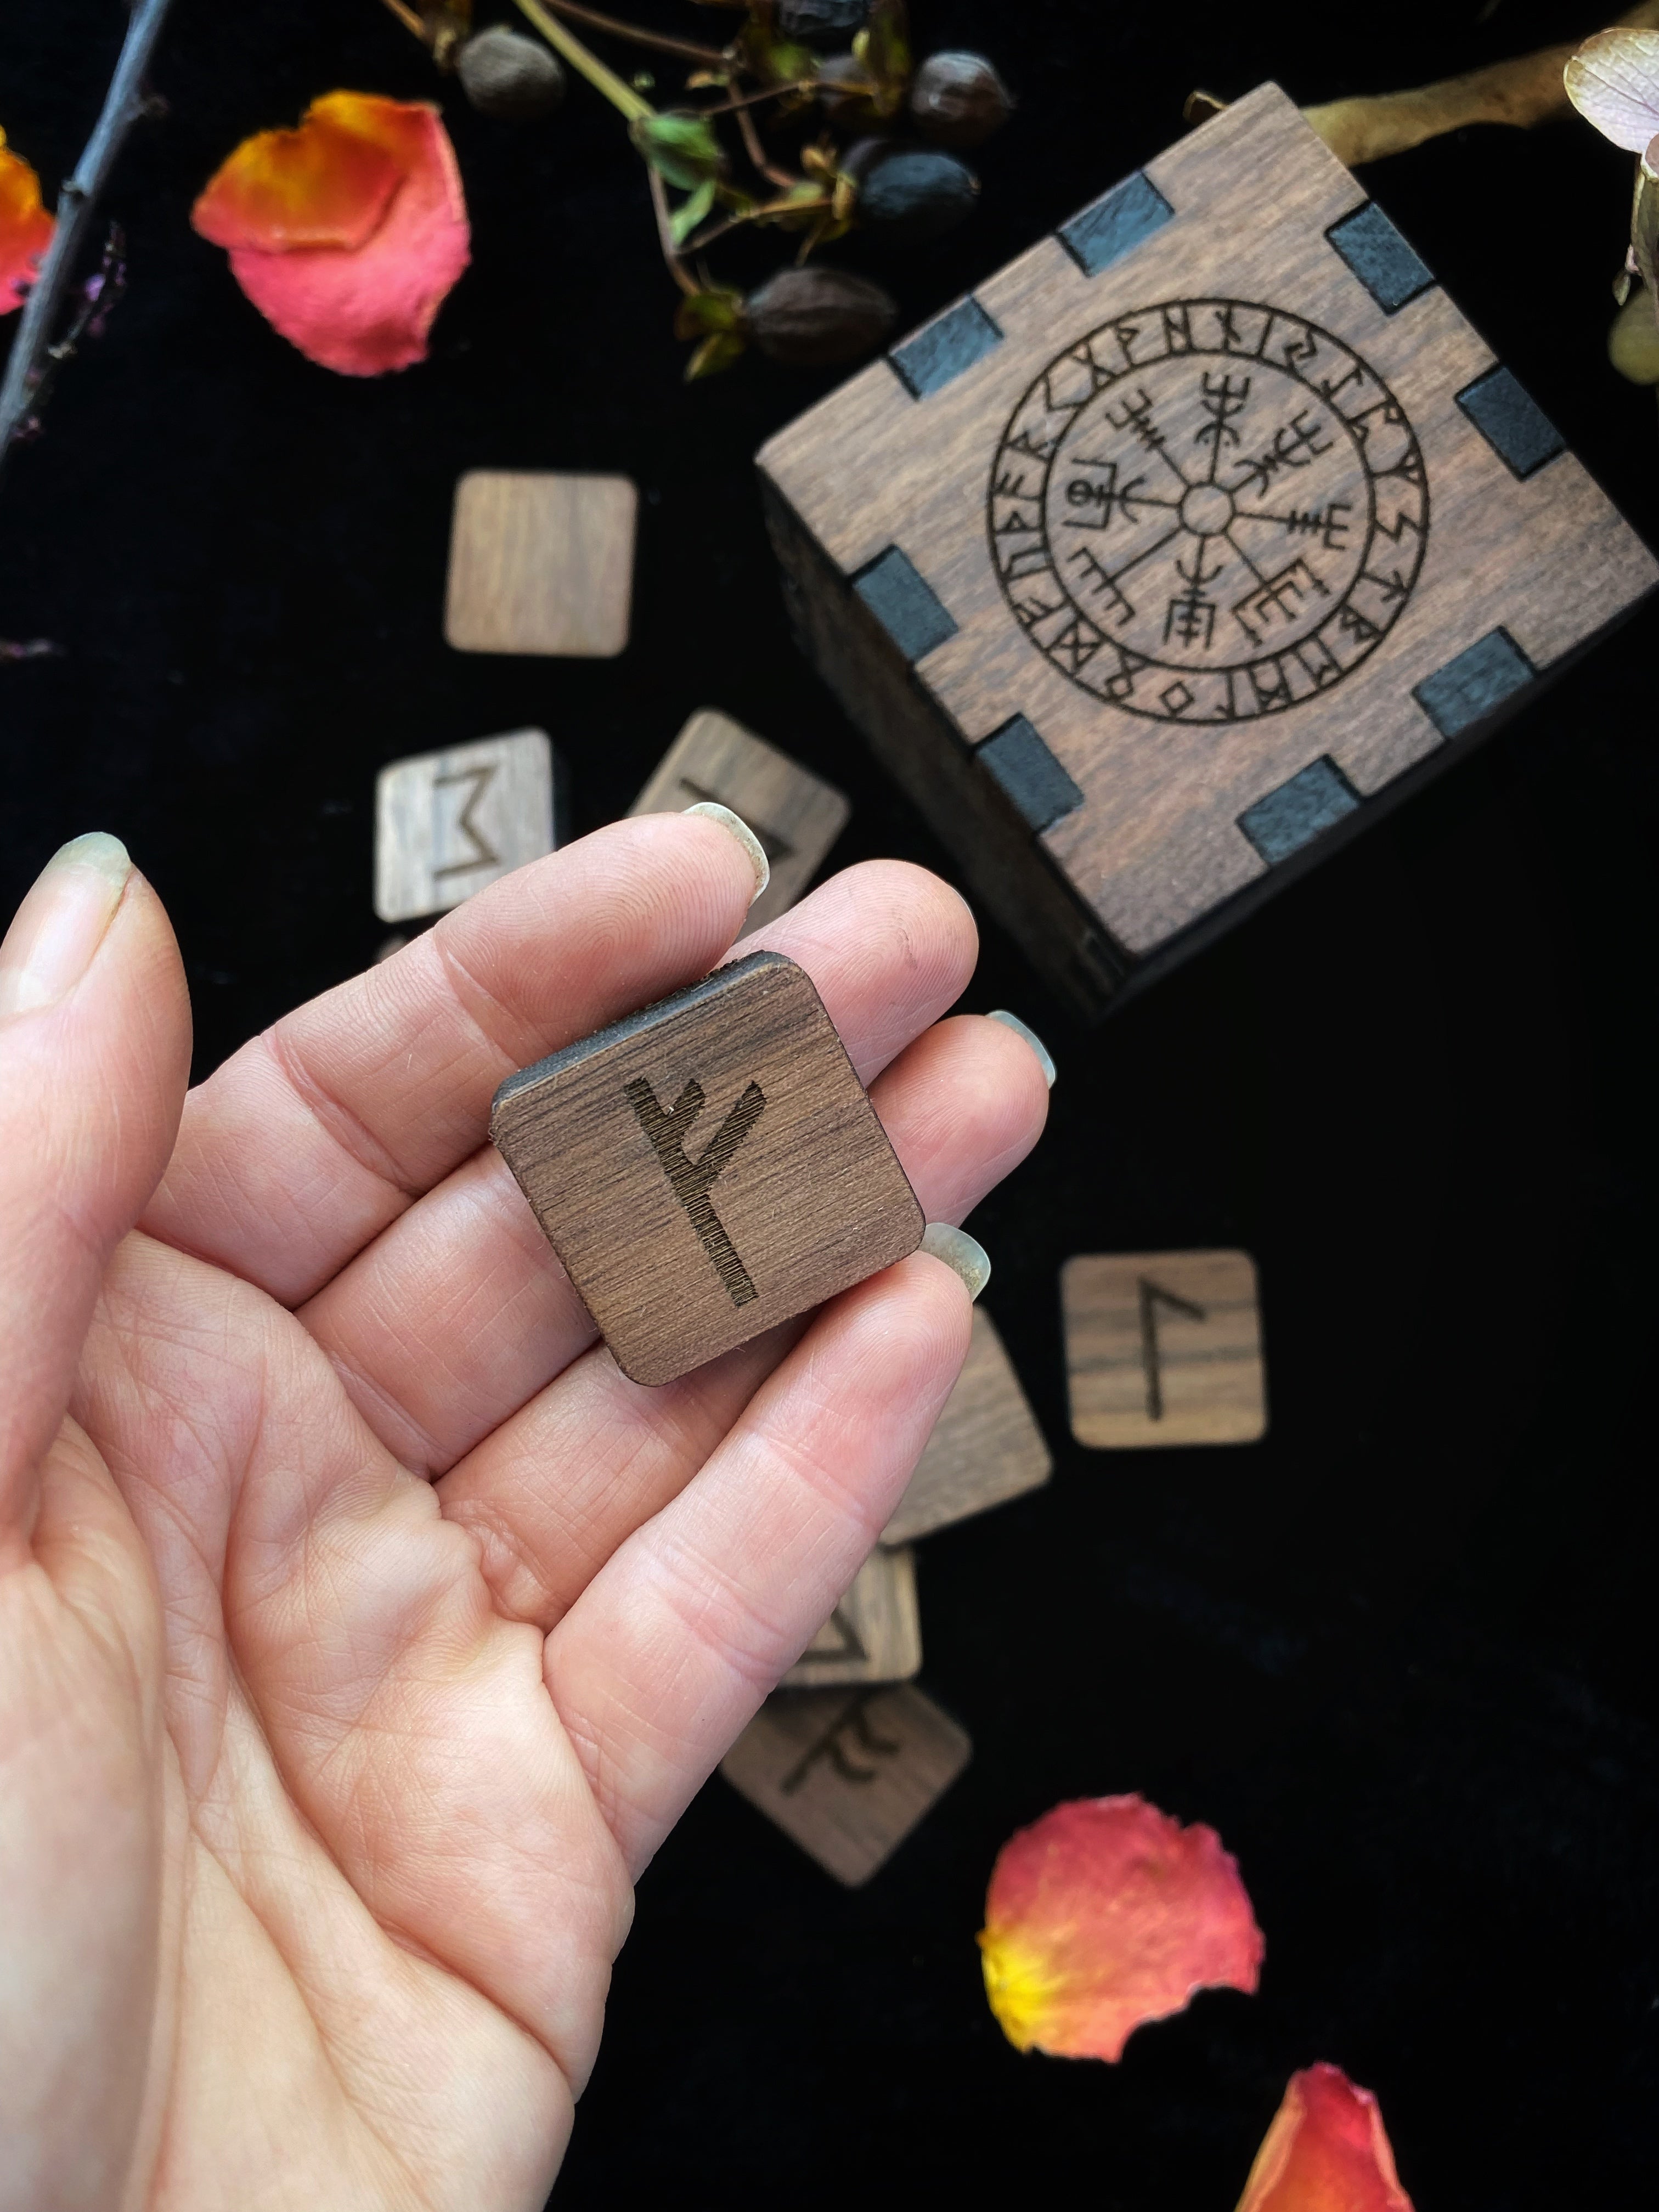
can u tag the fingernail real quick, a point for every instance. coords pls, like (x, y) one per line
(744, 835)
(61, 922)
(959, 1252)
(1023, 1029)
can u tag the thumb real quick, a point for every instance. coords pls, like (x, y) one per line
(95, 1054)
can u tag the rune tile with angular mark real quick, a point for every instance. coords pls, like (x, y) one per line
(1164, 1348)
(708, 1167)
(846, 1774)
(795, 814)
(447, 823)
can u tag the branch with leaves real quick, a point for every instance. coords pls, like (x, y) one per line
(791, 107)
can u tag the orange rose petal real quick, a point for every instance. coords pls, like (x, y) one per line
(361, 304)
(1325, 2152)
(26, 228)
(1106, 1913)
(329, 183)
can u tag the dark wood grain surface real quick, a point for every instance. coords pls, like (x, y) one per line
(986, 1446)
(1180, 679)
(845, 1776)
(610, 1138)
(796, 815)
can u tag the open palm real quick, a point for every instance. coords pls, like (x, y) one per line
(363, 1629)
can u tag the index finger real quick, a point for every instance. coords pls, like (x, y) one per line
(323, 1129)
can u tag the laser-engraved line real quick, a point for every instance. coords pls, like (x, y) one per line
(692, 1180)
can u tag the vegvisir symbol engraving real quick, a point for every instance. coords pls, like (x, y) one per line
(691, 1180)
(1213, 492)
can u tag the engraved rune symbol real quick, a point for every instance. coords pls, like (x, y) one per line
(852, 1721)
(691, 1180)
(483, 853)
(1153, 1295)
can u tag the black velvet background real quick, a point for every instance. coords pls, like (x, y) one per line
(1400, 1653)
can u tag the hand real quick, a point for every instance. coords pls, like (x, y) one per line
(363, 1629)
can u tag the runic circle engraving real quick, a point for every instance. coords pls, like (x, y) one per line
(1208, 510)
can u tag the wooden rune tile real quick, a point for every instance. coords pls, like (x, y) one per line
(541, 563)
(708, 1167)
(986, 1446)
(795, 814)
(446, 823)
(1197, 536)
(1164, 1348)
(848, 1777)
(874, 1635)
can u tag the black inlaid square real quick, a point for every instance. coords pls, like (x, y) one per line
(1038, 786)
(1478, 680)
(1114, 224)
(1511, 420)
(1294, 815)
(941, 349)
(1387, 263)
(905, 606)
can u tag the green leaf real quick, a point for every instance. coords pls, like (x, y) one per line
(720, 308)
(691, 212)
(681, 149)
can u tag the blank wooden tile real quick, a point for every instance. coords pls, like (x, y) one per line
(1164, 1348)
(447, 823)
(792, 1194)
(985, 1448)
(540, 563)
(874, 1635)
(847, 1778)
(795, 814)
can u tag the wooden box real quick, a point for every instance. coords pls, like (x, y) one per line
(1183, 546)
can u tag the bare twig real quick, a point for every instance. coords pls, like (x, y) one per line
(408, 18)
(757, 152)
(786, 206)
(755, 99)
(123, 104)
(1523, 91)
(711, 57)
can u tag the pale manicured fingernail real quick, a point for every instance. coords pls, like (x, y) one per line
(1045, 1058)
(961, 1253)
(744, 835)
(61, 922)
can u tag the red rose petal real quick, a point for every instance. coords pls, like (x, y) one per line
(1325, 2152)
(1106, 1913)
(362, 300)
(26, 228)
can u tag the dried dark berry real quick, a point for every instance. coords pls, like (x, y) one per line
(503, 73)
(843, 87)
(958, 98)
(913, 195)
(821, 22)
(812, 318)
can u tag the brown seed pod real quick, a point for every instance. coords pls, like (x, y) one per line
(814, 317)
(958, 98)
